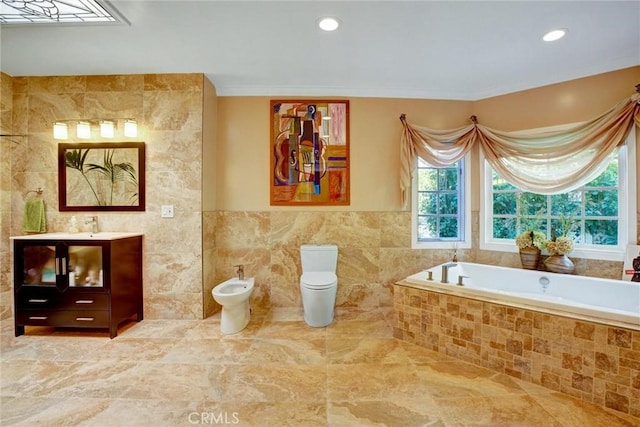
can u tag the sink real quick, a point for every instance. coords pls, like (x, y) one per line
(101, 235)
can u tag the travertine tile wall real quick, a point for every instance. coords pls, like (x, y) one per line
(374, 252)
(169, 110)
(6, 145)
(594, 362)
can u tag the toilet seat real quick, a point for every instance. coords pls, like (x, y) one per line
(318, 280)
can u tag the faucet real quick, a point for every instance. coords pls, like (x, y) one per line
(93, 220)
(460, 280)
(445, 271)
(240, 271)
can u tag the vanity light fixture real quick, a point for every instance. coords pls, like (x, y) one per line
(328, 23)
(60, 130)
(83, 130)
(84, 127)
(107, 129)
(130, 128)
(554, 35)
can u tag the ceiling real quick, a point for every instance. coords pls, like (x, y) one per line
(463, 50)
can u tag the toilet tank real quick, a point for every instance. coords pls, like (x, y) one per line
(319, 258)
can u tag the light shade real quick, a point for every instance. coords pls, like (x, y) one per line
(130, 128)
(83, 130)
(107, 129)
(328, 23)
(554, 35)
(60, 130)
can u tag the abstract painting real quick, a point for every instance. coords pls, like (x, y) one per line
(309, 152)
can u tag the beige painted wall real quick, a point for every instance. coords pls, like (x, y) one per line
(243, 162)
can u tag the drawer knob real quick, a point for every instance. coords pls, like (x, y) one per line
(84, 301)
(38, 300)
(85, 319)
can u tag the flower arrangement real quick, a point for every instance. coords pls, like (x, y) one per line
(531, 238)
(560, 246)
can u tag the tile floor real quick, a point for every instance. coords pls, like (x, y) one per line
(277, 372)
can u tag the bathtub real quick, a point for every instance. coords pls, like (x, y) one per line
(608, 301)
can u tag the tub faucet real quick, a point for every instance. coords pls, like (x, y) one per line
(240, 271)
(93, 220)
(445, 271)
(460, 280)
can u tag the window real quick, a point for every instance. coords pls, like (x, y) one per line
(600, 216)
(440, 206)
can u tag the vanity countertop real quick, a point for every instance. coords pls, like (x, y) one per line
(101, 235)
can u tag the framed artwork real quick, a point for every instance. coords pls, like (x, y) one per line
(309, 152)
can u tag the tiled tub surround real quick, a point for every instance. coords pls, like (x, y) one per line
(594, 362)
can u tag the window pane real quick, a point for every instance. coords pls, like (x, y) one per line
(601, 203)
(427, 179)
(608, 178)
(504, 203)
(427, 227)
(567, 226)
(504, 228)
(533, 204)
(567, 204)
(448, 179)
(448, 227)
(499, 183)
(427, 203)
(601, 232)
(448, 203)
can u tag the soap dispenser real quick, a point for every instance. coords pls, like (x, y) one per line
(73, 225)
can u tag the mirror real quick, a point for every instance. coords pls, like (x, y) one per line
(101, 176)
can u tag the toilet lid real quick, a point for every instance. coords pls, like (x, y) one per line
(318, 280)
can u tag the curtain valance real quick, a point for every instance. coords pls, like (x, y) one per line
(547, 161)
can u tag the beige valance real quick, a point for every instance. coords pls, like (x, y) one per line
(541, 161)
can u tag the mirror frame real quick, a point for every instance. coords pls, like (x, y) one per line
(62, 176)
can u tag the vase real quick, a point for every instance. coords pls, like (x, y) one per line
(530, 257)
(559, 264)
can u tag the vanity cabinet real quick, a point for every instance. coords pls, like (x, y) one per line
(77, 280)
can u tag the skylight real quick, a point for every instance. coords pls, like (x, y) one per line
(55, 12)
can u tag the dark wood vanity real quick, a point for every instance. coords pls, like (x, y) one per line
(79, 280)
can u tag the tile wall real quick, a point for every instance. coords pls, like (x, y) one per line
(169, 111)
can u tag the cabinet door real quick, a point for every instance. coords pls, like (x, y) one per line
(38, 264)
(59, 264)
(85, 264)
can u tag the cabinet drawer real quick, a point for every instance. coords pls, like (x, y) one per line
(84, 301)
(86, 319)
(38, 298)
(69, 300)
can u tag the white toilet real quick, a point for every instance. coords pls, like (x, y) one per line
(318, 283)
(233, 295)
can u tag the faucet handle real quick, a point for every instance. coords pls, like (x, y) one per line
(460, 280)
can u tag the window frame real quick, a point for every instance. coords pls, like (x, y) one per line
(627, 210)
(465, 243)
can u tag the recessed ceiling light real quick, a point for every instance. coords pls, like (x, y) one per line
(554, 35)
(328, 23)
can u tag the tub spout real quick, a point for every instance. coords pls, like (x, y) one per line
(445, 271)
